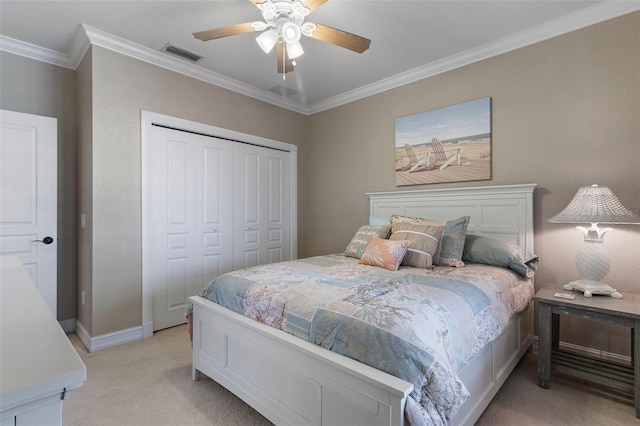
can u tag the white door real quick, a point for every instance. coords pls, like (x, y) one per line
(261, 206)
(190, 208)
(28, 197)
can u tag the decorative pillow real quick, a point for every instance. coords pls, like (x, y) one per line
(385, 253)
(378, 221)
(452, 244)
(425, 240)
(363, 236)
(453, 239)
(494, 252)
(398, 218)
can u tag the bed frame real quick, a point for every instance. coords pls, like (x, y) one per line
(291, 381)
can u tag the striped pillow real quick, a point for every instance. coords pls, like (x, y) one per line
(425, 238)
(452, 244)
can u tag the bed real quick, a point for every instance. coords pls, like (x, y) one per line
(290, 380)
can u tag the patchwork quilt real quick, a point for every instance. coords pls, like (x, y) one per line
(421, 325)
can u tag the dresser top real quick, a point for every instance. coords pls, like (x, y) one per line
(37, 357)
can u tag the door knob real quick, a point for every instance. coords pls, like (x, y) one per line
(46, 240)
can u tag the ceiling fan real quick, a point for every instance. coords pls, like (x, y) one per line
(282, 28)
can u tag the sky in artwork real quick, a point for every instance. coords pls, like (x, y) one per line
(457, 121)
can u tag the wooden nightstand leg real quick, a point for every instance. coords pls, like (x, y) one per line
(635, 359)
(555, 331)
(544, 345)
(633, 343)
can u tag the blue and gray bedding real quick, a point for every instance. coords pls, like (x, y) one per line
(421, 325)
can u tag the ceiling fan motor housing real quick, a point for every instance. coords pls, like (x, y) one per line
(275, 13)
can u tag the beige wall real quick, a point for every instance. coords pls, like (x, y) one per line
(85, 190)
(121, 88)
(34, 87)
(565, 114)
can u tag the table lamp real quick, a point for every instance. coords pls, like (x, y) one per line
(594, 204)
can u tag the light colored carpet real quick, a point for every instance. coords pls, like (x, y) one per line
(567, 402)
(149, 383)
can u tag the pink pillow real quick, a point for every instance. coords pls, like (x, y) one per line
(385, 253)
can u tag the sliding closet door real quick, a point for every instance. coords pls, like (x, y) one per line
(190, 217)
(261, 206)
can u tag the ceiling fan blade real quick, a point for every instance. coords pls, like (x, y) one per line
(341, 38)
(280, 53)
(224, 32)
(313, 4)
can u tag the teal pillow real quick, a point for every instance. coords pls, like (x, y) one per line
(490, 251)
(453, 240)
(378, 221)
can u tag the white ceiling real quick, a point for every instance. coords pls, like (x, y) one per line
(410, 40)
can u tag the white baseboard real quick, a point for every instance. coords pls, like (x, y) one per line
(83, 335)
(595, 353)
(147, 330)
(108, 340)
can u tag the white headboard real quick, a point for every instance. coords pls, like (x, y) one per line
(503, 212)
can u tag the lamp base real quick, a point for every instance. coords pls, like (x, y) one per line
(593, 287)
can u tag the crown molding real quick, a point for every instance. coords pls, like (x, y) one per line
(590, 16)
(137, 51)
(87, 36)
(80, 44)
(38, 53)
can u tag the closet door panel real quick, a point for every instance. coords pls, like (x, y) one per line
(277, 201)
(247, 205)
(191, 217)
(174, 248)
(217, 209)
(261, 206)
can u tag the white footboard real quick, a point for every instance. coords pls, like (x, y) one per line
(288, 380)
(490, 368)
(293, 382)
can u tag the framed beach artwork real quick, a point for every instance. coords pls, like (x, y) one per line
(451, 144)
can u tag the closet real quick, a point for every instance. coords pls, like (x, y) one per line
(211, 205)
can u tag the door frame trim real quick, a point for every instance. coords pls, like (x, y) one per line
(147, 119)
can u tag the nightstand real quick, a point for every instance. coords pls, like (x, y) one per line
(624, 312)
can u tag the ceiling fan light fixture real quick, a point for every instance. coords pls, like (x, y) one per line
(290, 32)
(297, 8)
(308, 28)
(259, 25)
(266, 6)
(267, 40)
(294, 50)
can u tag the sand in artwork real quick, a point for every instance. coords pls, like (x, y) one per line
(475, 164)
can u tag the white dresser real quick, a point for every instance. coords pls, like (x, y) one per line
(38, 364)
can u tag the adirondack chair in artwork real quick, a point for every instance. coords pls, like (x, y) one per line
(420, 164)
(441, 155)
(413, 162)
